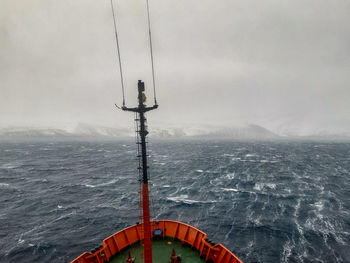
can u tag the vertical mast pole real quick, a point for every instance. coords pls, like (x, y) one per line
(141, 110)
(145, 197)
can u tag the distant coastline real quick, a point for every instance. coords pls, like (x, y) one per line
(86, 131)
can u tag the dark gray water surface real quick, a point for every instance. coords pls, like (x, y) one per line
(267, 202)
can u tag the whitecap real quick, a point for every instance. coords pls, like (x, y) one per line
(258, 186)
(319, 205)
(59, 206)
(99, 185)
(180, 200)
(10, 165)
(271, 185)
(229, 189)
(20, 240)
(199, 171)
(287, 250)
(108, 183)
(230, 176)
(4, 185)
(269, 161)
(183, 199)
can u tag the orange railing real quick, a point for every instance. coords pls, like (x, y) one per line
(186, 233)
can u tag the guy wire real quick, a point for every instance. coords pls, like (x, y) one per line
(150, 45)
(120, 63)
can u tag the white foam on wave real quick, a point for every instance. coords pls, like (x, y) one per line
(45, 149)
(214, 182)
(298, 226)
(4, 185)
(230, 176)
(260, 186)
(319, 205)
(252, 217)
(184, 199)
(227, 236)
(271, 185)
(287, 250)
(59, 206)
(269, 161)
(10, 165)
(199, 171)
(20, 241)
(99, 185)
(229, 189)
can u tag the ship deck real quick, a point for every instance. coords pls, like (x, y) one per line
(161, 252)
(189, 242)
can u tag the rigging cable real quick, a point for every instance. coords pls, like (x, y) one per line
(120, 63)
(150, 45)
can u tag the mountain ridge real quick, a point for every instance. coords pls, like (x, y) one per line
(82, 130)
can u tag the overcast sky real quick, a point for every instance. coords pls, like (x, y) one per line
(281, 64)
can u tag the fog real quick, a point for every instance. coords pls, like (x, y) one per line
(283, 65)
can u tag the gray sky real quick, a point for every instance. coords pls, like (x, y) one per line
(281, 64)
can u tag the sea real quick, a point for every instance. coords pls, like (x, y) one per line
(282, 201)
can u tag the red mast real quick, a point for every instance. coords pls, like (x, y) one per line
(142, 132)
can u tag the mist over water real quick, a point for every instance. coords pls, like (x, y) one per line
(265, 201)
(282, 65)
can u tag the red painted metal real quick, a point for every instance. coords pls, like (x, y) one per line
(146, 225)
(174, 229)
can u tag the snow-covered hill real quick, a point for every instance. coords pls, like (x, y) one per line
(247, 132)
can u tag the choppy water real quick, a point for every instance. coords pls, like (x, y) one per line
(267, 202)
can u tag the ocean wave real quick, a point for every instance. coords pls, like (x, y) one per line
(101, 185)
(229, 189)
(261, 186)
(293, 210)
(184, 199)
(11, 165)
